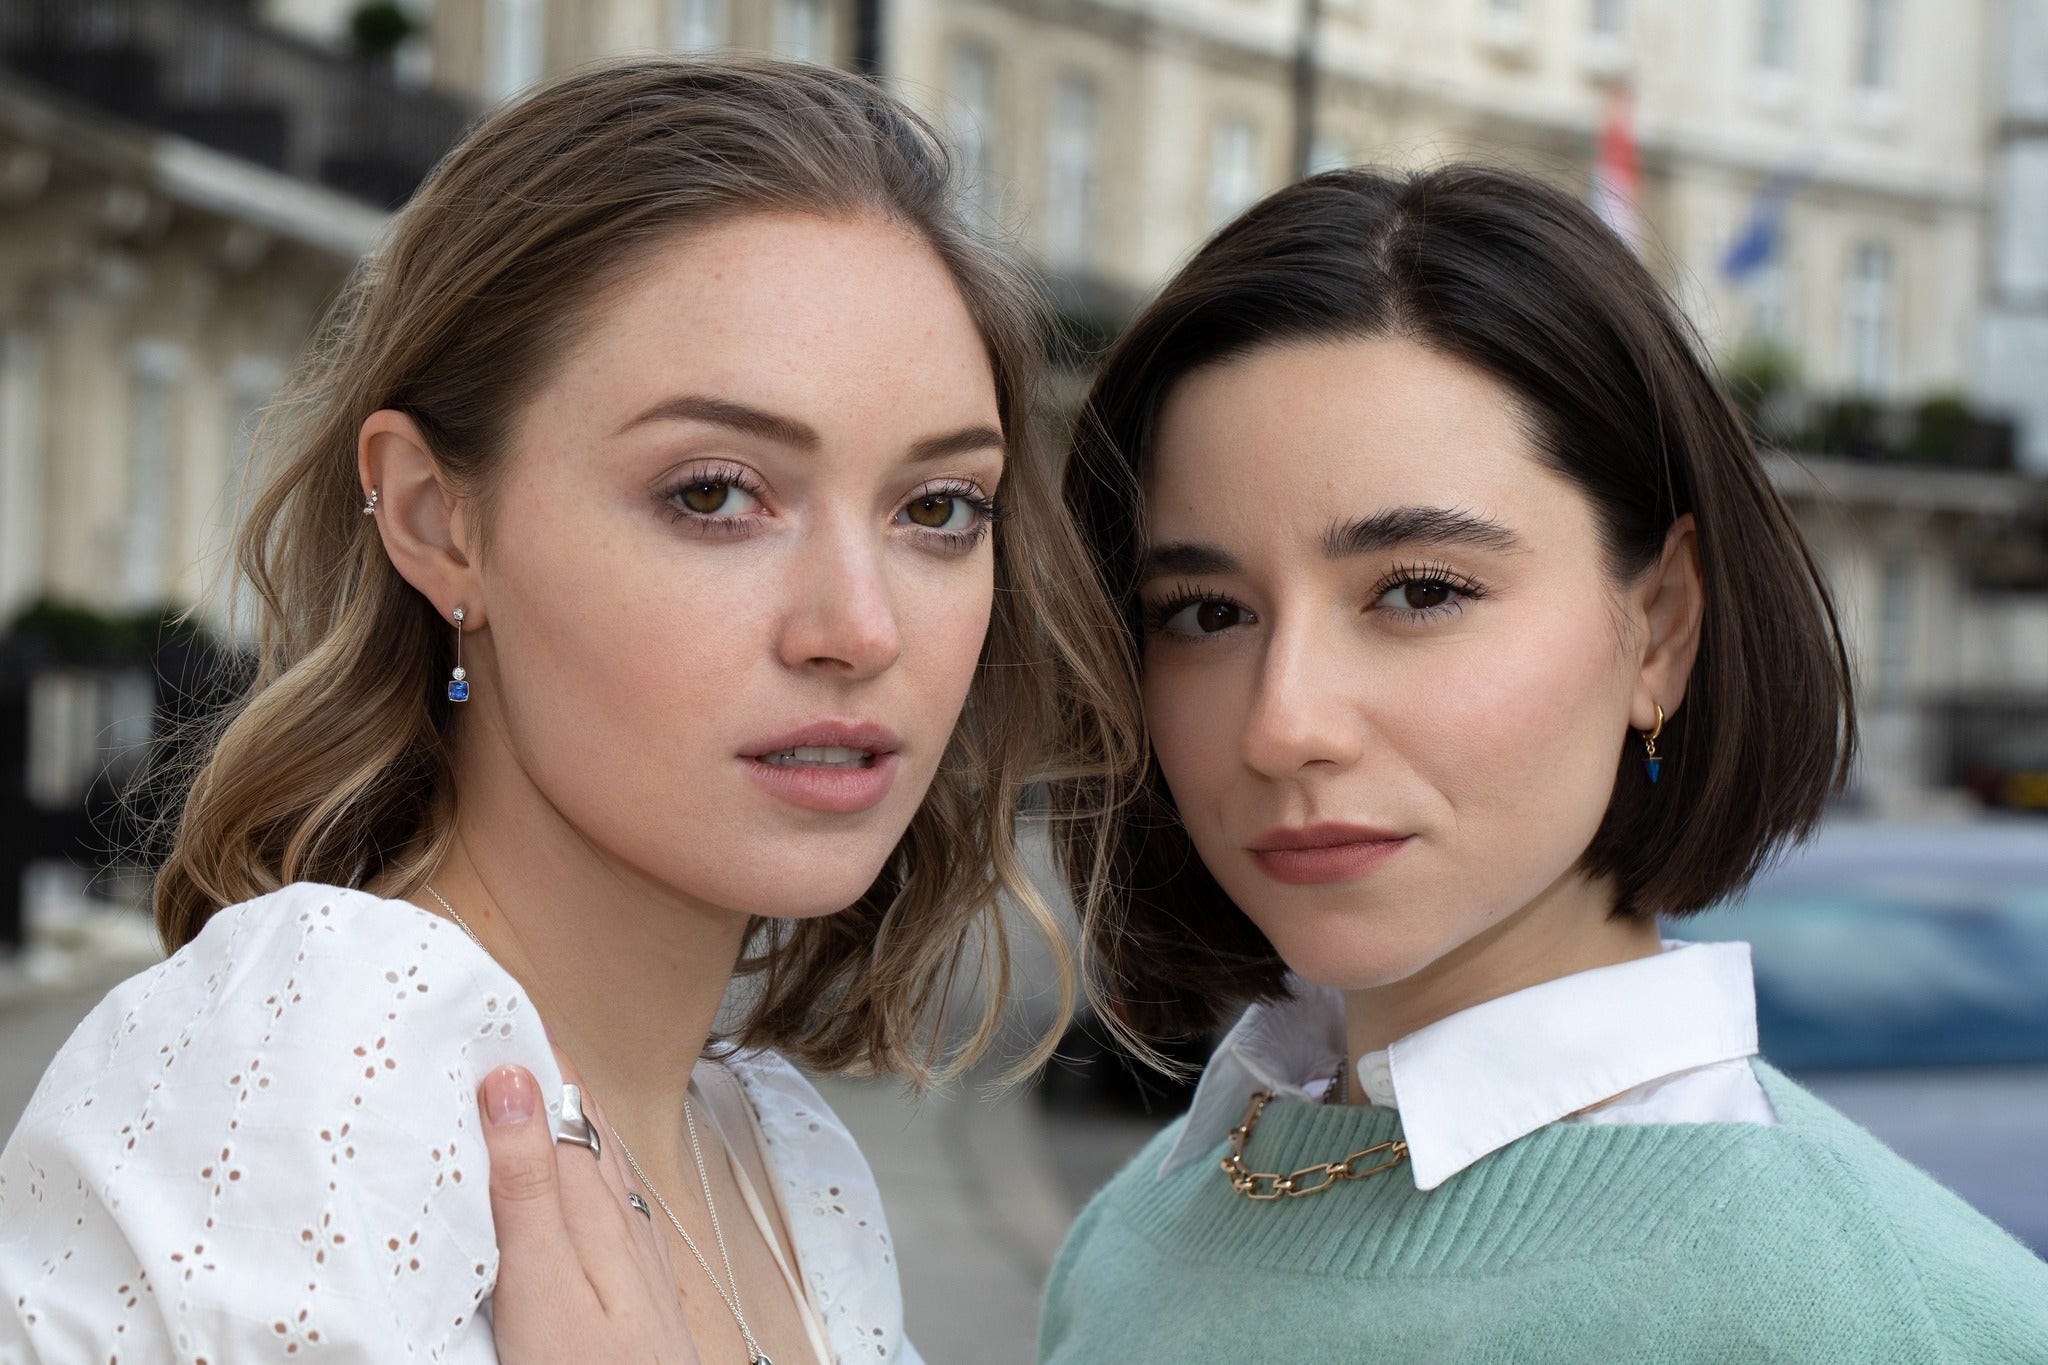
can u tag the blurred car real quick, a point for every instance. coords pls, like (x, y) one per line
(1902, 972)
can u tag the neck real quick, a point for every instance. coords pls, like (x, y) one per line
(1570, 928)
(627, 973)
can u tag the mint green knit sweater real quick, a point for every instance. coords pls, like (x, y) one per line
(1809, 1241)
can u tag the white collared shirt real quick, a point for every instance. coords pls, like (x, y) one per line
(1664, 1039)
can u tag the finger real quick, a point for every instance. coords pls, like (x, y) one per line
(618, 1248)
(536, 1260)
(619, 1175)
(645, 1234)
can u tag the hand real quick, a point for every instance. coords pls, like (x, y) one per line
(582, 1276)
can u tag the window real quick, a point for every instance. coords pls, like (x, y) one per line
(515, 39)
(695, 25)
(1072, 175)
(1895, 629)
(1772, 286)
(803, 30)
(1235, 153)
(972, 77)
(1869, 307)
(251, 383)
(153, 368)
(1875, 40)
(23, 381)
(1776, 35)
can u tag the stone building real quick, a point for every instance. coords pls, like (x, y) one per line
(164, 262)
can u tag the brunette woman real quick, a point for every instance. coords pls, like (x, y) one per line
(634, 608)
(1475, 643)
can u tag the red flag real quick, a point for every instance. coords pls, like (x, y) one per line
(1618, 168)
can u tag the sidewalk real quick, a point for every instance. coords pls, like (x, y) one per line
(975, 1208)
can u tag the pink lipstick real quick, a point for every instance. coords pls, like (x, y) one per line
(1324, 853)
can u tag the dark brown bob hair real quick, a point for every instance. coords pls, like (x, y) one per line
(1521, 281)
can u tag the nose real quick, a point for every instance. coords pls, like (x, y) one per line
(1304, 709)
(841, 620)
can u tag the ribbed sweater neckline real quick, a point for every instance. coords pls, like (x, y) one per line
(1565, 1191)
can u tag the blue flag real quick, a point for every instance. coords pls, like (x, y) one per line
(1754, 246)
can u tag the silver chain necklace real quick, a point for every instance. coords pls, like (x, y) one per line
(731, 1298)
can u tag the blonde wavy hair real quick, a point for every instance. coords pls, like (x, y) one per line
(336, 766)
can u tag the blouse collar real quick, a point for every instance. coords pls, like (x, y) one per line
(1472, 1083)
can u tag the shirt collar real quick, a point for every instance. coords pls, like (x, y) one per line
(1470, 1084)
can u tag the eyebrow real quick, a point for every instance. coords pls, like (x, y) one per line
(1185, 557)
(1395, 527)
(1399, 526)
(788, 431)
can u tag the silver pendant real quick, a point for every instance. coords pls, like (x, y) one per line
(763, 1360)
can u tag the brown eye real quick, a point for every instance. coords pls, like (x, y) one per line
(934, 511)
(706, 498)
(1423, 596)
(1199, 616)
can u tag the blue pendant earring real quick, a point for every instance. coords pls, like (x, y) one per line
(1652, 764)
(458, 681)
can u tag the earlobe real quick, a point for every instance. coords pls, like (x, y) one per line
(418, 516)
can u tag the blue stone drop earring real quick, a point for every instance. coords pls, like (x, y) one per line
(1651, 763)
(458, 681)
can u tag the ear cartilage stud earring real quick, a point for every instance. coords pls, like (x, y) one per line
(370, 504)
(458, 681)
(1651, 763)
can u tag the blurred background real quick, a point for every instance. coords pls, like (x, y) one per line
(1850, 197)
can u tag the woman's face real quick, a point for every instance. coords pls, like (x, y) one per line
(739, 569)
(1386, 674)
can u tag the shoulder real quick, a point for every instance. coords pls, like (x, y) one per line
(1143, 1180)
(831, 1205)
(272, 1123)
(311, 994)
(1836, 1224)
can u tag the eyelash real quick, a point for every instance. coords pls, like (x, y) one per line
(1430, 575)
(703, 523)
(1184, 595)
(1179, 598)
(987, 511)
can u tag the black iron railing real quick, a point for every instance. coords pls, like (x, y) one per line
(210, 72)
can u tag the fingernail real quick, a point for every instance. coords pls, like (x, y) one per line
(510, 1096)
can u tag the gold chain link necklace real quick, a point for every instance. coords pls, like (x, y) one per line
(1268, 1185)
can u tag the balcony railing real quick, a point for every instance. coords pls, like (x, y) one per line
(209, 72)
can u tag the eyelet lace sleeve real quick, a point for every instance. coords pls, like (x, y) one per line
(266, 1148)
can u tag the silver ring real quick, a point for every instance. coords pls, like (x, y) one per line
(575, 1127)
(641, 1204)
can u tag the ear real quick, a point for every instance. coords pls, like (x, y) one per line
(1671, 602)
(425, 526)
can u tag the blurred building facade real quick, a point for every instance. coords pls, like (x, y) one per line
(1850, 196)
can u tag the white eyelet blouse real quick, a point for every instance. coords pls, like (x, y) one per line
(266, 1148)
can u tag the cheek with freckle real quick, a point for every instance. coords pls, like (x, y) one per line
(1195, 718)
(1521, 748)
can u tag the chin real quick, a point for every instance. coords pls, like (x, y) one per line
(1346, 948)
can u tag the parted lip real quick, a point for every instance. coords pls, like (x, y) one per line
(876, 738)
(1328, 835)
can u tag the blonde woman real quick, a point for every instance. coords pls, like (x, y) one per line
(635, 612)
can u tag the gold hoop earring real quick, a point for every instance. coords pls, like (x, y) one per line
(1652, 764)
